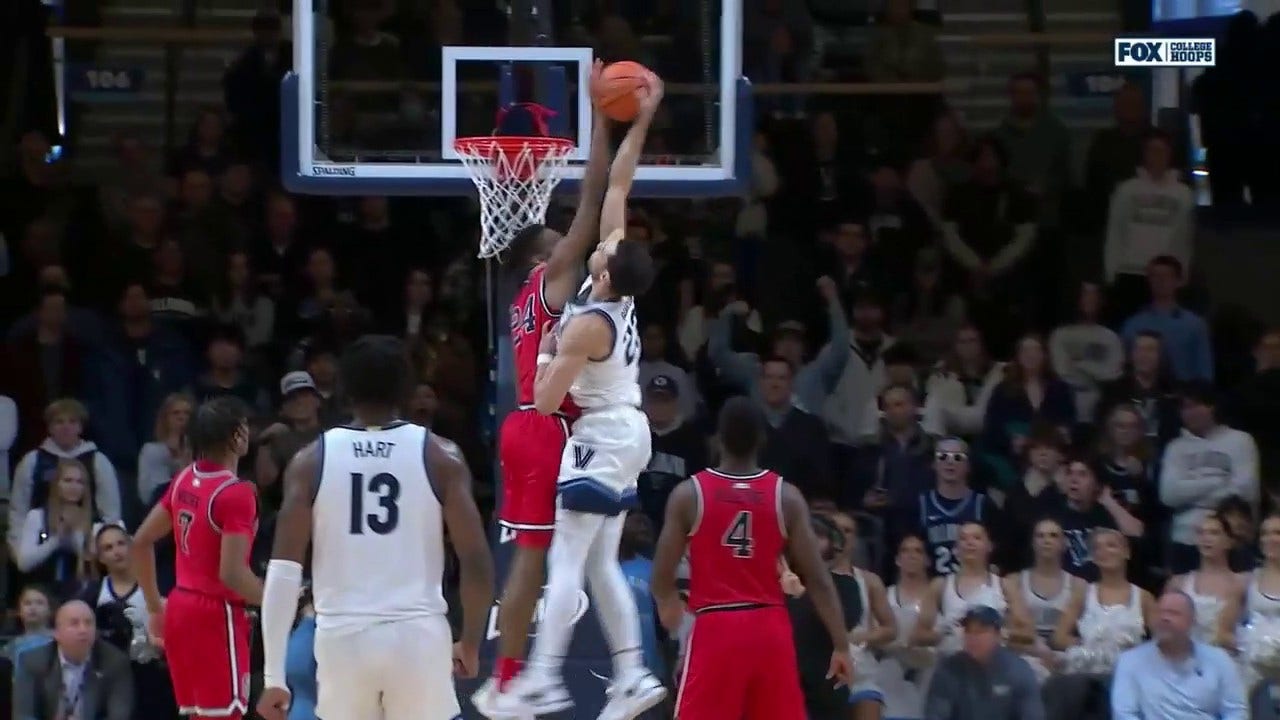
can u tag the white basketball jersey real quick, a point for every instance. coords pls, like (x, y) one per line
(378, 529)
(614, 379)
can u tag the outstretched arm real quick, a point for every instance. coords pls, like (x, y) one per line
(682, 510)
(613, 216)
(560, 360)
(565, 264)
(284, 572)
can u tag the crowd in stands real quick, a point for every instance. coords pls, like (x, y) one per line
(934, 321)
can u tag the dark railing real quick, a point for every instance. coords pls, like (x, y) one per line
(176, 39)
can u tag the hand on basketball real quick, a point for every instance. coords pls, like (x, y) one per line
(596, 82)
(274, 703)
(841, 668)
(466, 660)
(650, 100)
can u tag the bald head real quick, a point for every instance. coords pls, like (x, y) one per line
(74, 628)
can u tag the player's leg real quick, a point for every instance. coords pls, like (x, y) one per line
(539, 689)
(348, 682)
(419, 684)
(711, 688)
(530, 447)
(773, 691)
(208, 655)
(634, 688)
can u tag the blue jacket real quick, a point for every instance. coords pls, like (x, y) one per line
(124, 387)
(1010, 414)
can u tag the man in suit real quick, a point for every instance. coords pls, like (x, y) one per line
(75, 677)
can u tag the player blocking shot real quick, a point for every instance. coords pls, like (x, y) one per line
(593, 359)
(530, 443)
(736, 520)
(373, 500)
(212, 515)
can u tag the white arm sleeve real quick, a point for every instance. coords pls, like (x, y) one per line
(279, 606)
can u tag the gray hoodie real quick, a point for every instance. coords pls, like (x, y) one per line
(107, 486)
(1197, 473)
(1148, 217)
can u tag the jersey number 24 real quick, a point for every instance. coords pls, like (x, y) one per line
(385, 488)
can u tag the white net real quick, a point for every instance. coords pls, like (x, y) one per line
(515, 178)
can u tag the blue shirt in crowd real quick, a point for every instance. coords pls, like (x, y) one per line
(638, 571)
(1184, 336)
(300, 670)
(1205, 686)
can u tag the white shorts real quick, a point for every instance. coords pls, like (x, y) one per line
(397, 670)
(601, 463)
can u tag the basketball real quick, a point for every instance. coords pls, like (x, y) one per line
(621, 84)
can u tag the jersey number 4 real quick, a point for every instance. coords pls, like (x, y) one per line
(386, 489)
(738, 536)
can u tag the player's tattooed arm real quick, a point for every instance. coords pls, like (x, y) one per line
(613, 216)
(682, 507)
(564, 266)
(284, 572)
(449, 474)
(582, 338)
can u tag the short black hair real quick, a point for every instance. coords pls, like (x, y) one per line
(1168, 261)
(741, 427)
(228, 333)
(631, 269)
(50, 291)
(902, 353)
(522, 246)
(1200, 392)
(215, 423)
(374, 370)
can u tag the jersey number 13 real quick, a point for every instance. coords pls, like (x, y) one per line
(385, 489)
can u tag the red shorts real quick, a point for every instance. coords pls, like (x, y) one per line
(740, 664)
(529, 448)
(207, 647)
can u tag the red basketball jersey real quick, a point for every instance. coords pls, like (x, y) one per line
(204, 501)
(735, 545)
(530, 317)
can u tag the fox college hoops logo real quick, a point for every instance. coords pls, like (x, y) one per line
(539, 611)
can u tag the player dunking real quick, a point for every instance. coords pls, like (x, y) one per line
(373, 499)
(530, 443)
(595, 362)
(212, 515)
(736, 520)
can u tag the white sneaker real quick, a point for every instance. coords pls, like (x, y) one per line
(482, 699)
(530, 695)
(631, 696)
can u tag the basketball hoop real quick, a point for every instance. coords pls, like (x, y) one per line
(515, 177)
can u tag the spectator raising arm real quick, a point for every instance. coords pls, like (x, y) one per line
(814, 381)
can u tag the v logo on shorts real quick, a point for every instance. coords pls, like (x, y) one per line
(582, 456)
